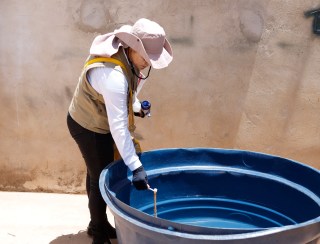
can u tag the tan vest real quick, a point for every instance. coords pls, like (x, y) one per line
(87, 107)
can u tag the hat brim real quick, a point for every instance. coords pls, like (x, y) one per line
(105, 45)
(157, 61)
(162, 60)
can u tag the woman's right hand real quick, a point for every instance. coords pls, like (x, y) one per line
(140, 179)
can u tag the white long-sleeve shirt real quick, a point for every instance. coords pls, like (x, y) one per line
(113, 86)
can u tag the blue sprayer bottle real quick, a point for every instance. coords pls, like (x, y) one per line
(146, 107)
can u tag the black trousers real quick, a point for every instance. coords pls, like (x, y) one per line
(97, 151)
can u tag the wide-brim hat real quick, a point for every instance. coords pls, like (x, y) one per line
(145, 37)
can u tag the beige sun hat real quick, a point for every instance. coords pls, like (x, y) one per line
(146, 37)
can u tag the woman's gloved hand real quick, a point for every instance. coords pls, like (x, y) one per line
(140, 179)
(140, 114)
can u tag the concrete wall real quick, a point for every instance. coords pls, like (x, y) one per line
(245, 75)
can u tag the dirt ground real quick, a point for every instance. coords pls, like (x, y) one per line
(41, 218)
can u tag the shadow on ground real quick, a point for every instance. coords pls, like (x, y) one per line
(80, 238)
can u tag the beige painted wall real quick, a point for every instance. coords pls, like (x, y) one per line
(245, 75)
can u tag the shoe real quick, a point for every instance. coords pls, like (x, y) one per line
(101, 241)
(108, 230)
(89, 229)
(100, 237)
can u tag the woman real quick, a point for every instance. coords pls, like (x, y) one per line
(104, 99)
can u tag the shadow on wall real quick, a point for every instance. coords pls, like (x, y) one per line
(80, 238)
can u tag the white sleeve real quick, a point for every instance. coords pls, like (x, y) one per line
(113, 86)
(136, 104)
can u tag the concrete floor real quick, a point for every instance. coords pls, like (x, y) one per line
(40, 218)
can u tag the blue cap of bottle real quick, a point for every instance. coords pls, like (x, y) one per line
(145, 107)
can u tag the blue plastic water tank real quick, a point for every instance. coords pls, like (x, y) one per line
(210, 195)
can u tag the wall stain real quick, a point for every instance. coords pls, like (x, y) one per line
(68, 181)
(93, 17)
(251, 25)
(75, 179)
(284, 45)
(30, 102)
(187, 41)
(14, 179)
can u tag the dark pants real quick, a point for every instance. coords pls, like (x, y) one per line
(97, 151)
